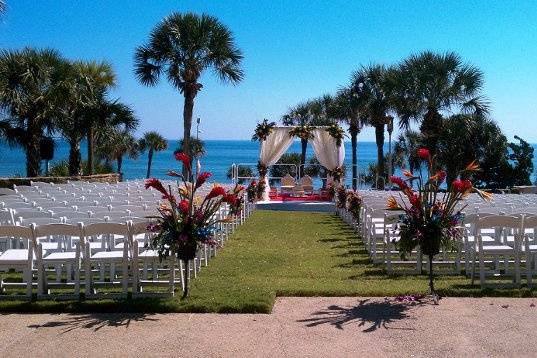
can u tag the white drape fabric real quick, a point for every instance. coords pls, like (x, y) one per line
(272, 149)
(327, 152)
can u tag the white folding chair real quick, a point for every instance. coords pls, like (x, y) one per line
(106, 259)
(19, 259)
(67, 260)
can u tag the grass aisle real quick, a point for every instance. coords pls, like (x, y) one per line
(280, 254)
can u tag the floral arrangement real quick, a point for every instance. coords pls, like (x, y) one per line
(263, 170)
(262, 130)
(354, 204)
(337, 133)
(302, 132)
(251, 190)
(341, 197)
(338, 173)
(186, 221)
(431, 219)
(331, 191)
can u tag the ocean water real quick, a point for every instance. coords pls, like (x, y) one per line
(221, 154)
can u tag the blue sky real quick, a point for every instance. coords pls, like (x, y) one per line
(294, 50)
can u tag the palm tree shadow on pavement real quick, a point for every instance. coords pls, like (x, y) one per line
(367, 313)
(95, 321)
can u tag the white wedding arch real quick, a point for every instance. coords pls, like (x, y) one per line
(325, 146)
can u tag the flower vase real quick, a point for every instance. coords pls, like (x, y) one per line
(186, 253)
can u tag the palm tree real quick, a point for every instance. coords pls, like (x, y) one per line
(300, 116)
(116, 144)
(153, 142)
(75, 115)
(370, 86)
(314, 112)
(28, 83)
(349, 109)
(182, 47)
(429, 85)
(406, 148)
(100, 78)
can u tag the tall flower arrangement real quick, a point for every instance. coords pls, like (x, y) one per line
(431, 218)
(187, 220)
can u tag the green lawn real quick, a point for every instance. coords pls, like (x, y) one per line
(281, 254)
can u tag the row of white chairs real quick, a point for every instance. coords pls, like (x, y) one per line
(497, 241)
(87, 246)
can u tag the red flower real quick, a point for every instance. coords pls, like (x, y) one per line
(424, 154)
(461, 186)
(202, 178)
(231, 199)
(185, 159)
(184, 206)
(216, 191)
(399, 182)
(157, 185)
(415, 200)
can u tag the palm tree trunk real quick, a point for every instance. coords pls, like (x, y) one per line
(33, 155)
(91, 149)
(149, 160)
(119, 164)
(75, 158)
(379, 137)
(187, 121)
(431, 126)
(354, 146)
(304, 144)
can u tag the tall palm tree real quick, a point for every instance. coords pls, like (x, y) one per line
(100, 78)
(371, 87)
(349, 109)
(430, 85)
(300, 116)
(182, 47)
(28, 83)
(153, 142)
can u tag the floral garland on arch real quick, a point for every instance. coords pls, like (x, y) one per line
(302, 132)
(261, 185)
(431, 219)
(337, 173)
(187, 221)
(336, 132)
(262, 130)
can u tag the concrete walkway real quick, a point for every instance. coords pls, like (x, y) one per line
(298, 327)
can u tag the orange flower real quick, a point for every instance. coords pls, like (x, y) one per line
(484, 195)
(472, 167)
(392, 203)
(408, 174)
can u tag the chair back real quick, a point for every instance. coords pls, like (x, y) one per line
(306, 180)
(288, 180)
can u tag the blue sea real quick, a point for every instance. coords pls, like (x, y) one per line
(221, 154)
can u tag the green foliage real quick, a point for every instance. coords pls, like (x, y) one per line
(196, 148)
(522, 156)
(315, 169)
(244, 171)
(282, 170)
(61, 168)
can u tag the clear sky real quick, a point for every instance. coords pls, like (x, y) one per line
(293, 51)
